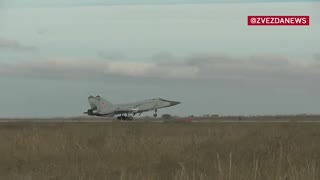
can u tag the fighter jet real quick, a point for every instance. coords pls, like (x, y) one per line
(101, 107)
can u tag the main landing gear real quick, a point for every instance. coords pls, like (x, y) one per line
(155, 113)
(126, 118)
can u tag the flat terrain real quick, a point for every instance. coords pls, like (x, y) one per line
(167, 150)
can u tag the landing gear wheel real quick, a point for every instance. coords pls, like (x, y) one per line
(155, 113)
(125, 118)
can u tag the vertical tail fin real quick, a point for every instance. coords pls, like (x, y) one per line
(101, 104)
(92, 102)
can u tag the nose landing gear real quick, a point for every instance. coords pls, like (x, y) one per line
(155, 113)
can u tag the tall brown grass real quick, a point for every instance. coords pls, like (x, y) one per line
(152, 151)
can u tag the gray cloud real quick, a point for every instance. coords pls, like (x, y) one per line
(111, 55)
(162, 56)
(14, 45)
(197, 66)
(316, 56)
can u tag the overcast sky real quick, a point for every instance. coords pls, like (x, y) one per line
(54, 54)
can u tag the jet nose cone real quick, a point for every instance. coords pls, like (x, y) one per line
(172, 103)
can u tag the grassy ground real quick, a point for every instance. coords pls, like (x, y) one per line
(137, 151)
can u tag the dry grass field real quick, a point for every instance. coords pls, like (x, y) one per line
(150, 151)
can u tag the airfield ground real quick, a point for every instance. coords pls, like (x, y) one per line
(175, 149)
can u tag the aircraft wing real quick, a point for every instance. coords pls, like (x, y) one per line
(135, 107)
